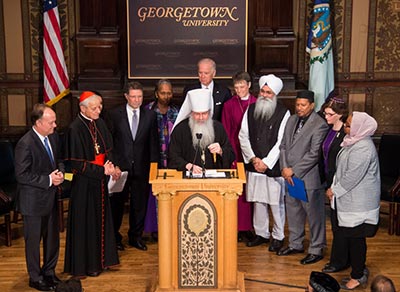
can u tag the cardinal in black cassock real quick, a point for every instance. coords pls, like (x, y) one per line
(90, 246)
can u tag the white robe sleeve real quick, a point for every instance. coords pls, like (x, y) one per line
(244, 140)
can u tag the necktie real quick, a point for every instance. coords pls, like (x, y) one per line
(301, 124)
(46, 145)
(134, 124)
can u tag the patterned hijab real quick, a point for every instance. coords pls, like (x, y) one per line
(362, 125)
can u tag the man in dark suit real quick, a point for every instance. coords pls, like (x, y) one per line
(299, 156)
(220, 93)
(134, 130)
(38, 173)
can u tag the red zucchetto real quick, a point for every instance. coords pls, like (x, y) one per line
(85, 94)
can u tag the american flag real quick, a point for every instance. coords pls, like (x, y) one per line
(55, 75)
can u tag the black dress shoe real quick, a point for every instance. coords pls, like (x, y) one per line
(258, 240)
(289, 251)
(138, 243)
(120, 246)
(327, 264)
(275, 245)
(52, 280)
(93, 274)
(328, 268)
(41, 285)
(311, 258)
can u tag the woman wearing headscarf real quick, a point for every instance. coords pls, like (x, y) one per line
(355, 193)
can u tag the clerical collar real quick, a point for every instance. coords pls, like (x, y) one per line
(245, 98)
(83, 116)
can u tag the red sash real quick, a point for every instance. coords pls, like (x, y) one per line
(99, 159)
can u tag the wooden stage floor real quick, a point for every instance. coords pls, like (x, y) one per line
(264, 271)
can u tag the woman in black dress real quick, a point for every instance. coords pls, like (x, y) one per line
(335, 112)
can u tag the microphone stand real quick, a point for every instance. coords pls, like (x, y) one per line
(203, 163)
(198, 136)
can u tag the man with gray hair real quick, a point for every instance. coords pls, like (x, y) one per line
(209, 146)
(260, 136)
(206, 70)
(90, 245)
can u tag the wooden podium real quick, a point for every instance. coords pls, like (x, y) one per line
(197, 233)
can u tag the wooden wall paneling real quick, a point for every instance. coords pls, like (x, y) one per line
(282, 12)
(386, 40)
(261, 9)
(3, 110)
(385, 108)
(108, 16)
(302, 59)
(2, 45)
(87, 21)
(369, 100)
(98, 56)
(371, 40)
(275, 55)
(98, 63)
(346, 40)
(273, 40)
(98, 45)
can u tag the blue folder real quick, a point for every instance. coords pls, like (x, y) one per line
(297, 191)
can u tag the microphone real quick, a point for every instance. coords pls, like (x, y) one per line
(198, 136)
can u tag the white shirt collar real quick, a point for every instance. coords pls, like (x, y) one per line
(209, 86)
(40, 136)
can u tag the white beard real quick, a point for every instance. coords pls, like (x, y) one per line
(206, 128)
(265, 108)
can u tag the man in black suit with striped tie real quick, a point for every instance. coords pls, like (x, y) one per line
(135, 134)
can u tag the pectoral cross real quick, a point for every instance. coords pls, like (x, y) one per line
(97, 148)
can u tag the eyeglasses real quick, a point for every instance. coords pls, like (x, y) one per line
(329, 114)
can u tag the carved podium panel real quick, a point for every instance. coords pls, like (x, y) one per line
(197, 233)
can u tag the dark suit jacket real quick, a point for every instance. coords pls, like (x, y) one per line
(134, 156)
(220, 95)
(301, 153)
(332, 154)
(32, 168)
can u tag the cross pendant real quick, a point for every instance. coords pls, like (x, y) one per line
(97, 148)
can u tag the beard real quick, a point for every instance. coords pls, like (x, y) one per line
(206, 128)
(265, 108)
